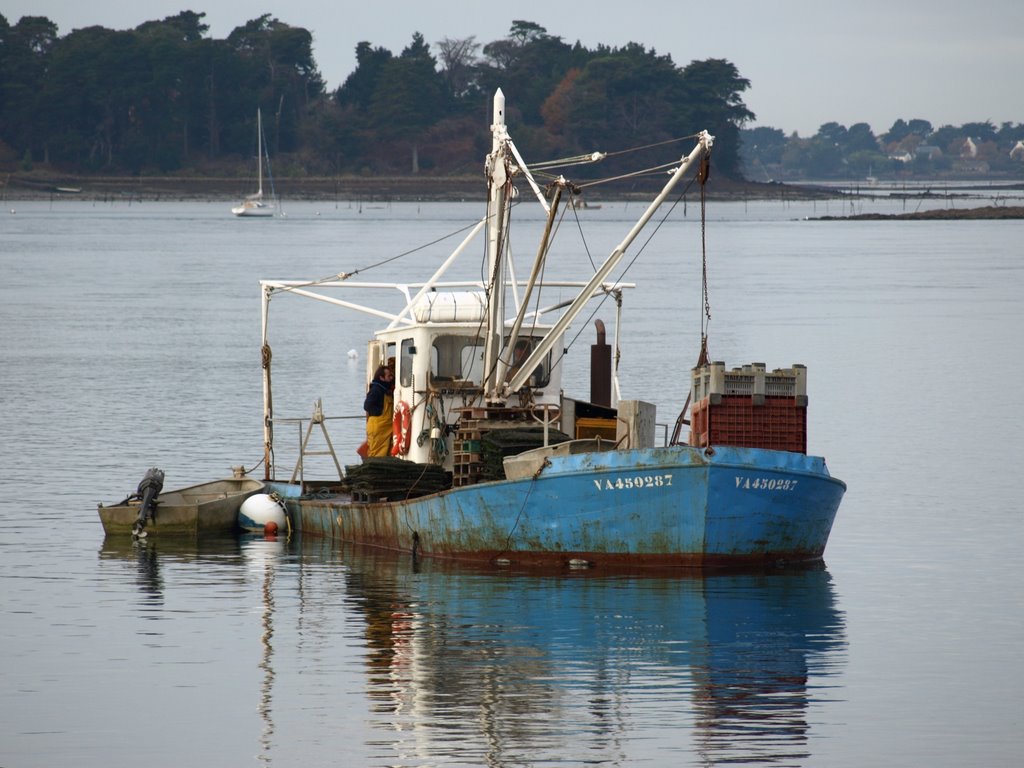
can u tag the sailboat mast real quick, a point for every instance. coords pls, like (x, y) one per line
(259, 151)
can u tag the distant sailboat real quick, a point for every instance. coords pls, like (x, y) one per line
(255, 205)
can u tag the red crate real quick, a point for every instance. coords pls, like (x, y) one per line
(777, 423)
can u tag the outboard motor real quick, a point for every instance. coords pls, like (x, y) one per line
(149, 489)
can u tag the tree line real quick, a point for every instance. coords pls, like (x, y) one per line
(162, 96)
(909, 149)
(166, 97)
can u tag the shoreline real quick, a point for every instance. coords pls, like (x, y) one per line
(986, 212)
(367, 189)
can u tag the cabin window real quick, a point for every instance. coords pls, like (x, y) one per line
(523, 349)
(378, 353)
(456, 359)
(405, 363)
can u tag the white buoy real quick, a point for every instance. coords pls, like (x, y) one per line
(260, 509)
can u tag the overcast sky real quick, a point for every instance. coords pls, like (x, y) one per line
(808, 61)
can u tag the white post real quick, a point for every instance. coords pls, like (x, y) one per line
(497, 218)
(268, 407)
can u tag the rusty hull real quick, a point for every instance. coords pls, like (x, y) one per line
(664, 507)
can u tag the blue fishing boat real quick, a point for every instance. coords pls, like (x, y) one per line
(488, 459)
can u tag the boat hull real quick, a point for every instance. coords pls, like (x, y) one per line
(205, 508)
(673, 506)
(260, 211)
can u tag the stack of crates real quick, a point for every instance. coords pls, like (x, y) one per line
(466, 459)
(749, 407)
(474, 423)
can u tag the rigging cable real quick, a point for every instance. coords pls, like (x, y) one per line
(396, 257)
(579, 226)
(595, 157)
(568, 161)
(640, 250)
(705, 320)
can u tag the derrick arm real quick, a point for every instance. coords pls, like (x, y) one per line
(704, 142)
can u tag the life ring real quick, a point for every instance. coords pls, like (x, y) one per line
(401, 427)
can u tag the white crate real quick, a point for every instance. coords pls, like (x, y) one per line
(752, 380)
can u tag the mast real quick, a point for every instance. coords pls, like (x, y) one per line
(259, 151)
(499, 191)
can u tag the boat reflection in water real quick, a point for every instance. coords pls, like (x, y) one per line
(207, 580)
(509, 668)
(150, 559)
(398, 662)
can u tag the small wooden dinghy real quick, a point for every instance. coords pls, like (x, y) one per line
(205, 508)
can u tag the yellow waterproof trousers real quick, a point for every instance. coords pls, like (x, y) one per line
(378, 430)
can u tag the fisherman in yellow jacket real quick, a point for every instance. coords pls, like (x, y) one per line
(380, 410)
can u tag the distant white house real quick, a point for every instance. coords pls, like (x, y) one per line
(1017, 153)
(968, 148)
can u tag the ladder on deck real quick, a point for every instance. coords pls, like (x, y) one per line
(317, 419)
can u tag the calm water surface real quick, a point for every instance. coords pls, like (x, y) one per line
(129, 337)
